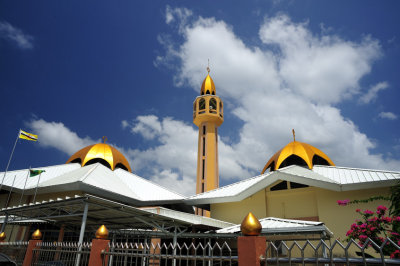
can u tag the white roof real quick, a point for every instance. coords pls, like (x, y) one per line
(187, 217)
(96, 179)
(274, 225)
(328, 177)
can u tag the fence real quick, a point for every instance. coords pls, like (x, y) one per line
(169, 254)
(61, 253)
(295, 252)
(256, 251)
(14, 250)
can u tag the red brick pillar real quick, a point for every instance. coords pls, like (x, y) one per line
(29, 252)
(250, 248)
(98, 245)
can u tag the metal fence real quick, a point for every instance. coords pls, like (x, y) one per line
(323, 253)
(14, 250)
(61, 253)
(169, 254)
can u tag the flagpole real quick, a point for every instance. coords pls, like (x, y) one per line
(23, 190)
(34, 197)
(9, 160)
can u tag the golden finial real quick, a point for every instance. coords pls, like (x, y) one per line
(250, 225)
(37, 235)
(104, 139)
(102, 232)
(2, 236)
(208, 66)
(294, 135)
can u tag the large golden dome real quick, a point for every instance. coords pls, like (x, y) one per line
(102, 153)
(298, 153)
(208, 86)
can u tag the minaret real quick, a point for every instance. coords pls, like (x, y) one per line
(208, 116)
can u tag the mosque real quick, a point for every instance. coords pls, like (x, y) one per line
(296, 192)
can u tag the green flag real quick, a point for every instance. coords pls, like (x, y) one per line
(35, 172)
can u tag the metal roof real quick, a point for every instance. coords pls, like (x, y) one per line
(110, 213)
(95, 179)
(272, 225)
(327, 177)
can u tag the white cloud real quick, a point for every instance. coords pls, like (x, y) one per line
(57, 135)
(372, 93)
(15, 35)
(294, 81)
(388, 115)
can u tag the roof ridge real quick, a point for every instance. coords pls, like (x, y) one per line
(230, 185)
(360, 169)
(40, 167)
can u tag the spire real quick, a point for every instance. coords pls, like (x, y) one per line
(294, 135)
(208, 86)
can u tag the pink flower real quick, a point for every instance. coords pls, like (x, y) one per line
(343, 202)
(362, 237)
(397, 218)
(358, 210)
(368, 212)
(395, 254)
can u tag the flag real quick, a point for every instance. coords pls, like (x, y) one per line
(35, 172)
(28, 136)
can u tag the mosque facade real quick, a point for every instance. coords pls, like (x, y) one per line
(298, 182)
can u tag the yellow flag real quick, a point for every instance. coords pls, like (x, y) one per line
(28, 136)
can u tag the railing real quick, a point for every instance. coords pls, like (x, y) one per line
(61, 253)
(169, 254)
(320, 252)
(14, 250)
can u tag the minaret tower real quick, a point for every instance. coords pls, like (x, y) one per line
(208, 116)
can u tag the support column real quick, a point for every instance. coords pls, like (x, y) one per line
(98, 245)
(82, 233)
(250, 249)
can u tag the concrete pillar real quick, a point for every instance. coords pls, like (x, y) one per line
(98, 245)
(250, 249)
(29, 252)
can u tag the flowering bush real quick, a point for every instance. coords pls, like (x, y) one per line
(377, 227)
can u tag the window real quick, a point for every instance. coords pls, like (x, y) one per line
(202, 104)
(204, 146)
(294, 185)
(203, 170)
(213, 105)
(204, 130)
(280, 186)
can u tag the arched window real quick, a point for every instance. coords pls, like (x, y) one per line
(77, 160)
(120, 165)
(99, 160)
(293, 160)
(213, 105)
(207, 92)
(202, 104)
(221, 110)
(318, 160)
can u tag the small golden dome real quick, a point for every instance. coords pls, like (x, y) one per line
(102, 232)
(2, 236)
(208, 86)
(37, 235)
(297, 153)
(103, 153)
(250, 225)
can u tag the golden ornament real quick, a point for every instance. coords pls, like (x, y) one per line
(102, 232)
(250, 226)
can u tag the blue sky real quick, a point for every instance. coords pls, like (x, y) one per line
(74, 71)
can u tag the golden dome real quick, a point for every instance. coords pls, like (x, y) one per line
(103, 153)
(297, 153)
(250, 225)
(2, 236)
(102, 232)
(37, 235)
(208, 86)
